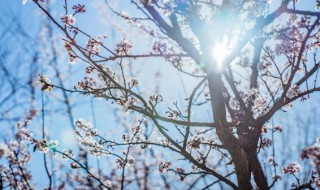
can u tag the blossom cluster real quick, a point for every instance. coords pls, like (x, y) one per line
(292, 168)
(173, 113)
(86, 137)
(79, 8)
(316, 180)
(93, 45)
(121, 163)
(133, 82)
(265, 143)
(293, 91)
(123, 47)
(313, 152)
(72, 55)
(265, 64)
(159, 47)
(68, 20)
(96, 79)
(156, 98)
(251, 96)
(46, 83)
(195, 141)
(164, 166)
(127, 104)
(18, 157)
(44, 146)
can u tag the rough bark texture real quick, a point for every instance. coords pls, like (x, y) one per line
(258, 174)
(241, 167)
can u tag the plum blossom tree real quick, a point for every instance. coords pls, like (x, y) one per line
(246, 59)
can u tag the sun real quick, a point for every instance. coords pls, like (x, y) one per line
(220, 51)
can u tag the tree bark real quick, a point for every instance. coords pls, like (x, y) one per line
(258, 174)
(242, 168)
(224, 133)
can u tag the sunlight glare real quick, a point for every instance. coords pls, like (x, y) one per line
(221, 51)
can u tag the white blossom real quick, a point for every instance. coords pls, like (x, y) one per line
(68, 19)
(292, 168)
(123, 47)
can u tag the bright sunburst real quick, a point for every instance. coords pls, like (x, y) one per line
(221, 51)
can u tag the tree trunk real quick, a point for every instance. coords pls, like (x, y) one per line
(244, 158)
(258, 174)
(225, 135)
(242, 168)
(245, 164)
